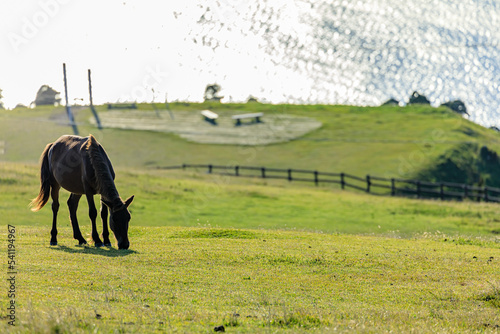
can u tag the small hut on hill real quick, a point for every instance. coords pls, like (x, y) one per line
(47, 96)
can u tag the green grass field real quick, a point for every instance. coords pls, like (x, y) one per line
(191, 280)
(254, 255)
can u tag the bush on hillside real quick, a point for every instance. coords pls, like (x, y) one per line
(457, 106)
(467, 163)
(417, 98)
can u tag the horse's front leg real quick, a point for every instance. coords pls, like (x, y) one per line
(55, 208)
(105, 231)
(93, 216)
(73, 206)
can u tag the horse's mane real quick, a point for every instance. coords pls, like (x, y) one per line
(103, 170)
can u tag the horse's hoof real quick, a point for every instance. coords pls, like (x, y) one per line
(53, 243)
(82, 242)
(99, 244)
(107, 244)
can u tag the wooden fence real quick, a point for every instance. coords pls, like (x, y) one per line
(370, 184)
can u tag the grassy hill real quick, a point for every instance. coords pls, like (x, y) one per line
(262, 255)
(385, 141)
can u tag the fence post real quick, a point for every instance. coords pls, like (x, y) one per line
(184, 166)
(263, 172)
(418, 189)
(290, 175)
(442, 191)
(237, 170)
(316, 179)
(393, 187)
(342, 182)
(486, 199)
(210, 169)
(466, 193)
(368, 183)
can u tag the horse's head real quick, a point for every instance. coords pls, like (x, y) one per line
(118, 222)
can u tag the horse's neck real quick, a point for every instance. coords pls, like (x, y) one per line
(105, 185)
(110, 193)
(104, 174)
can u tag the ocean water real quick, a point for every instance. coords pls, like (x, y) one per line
(347, 51)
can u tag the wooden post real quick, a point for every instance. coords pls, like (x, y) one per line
(486, 198)
(290, 175)
(466, 193)
(442, 191)
(68, 108)
(393, 187)
(168, 107)
(316, 179)
(418, 189)
(263, 172)
(368, 183)
(98, 121)
(210, 169)
(237, 170)
(342, 181)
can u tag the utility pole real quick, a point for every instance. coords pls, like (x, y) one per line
(68, 109)
(98, 121)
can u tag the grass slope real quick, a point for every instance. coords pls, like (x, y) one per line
(382, 141)
(166, 198)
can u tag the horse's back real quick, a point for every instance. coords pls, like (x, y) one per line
(69, 163)
(67, 143)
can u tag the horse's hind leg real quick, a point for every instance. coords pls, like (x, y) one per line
(105, 231)
(73, 206)
(93, 216)
(55, 208)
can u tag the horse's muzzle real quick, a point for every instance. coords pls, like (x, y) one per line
(124, 245)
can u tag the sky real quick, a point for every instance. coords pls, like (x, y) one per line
(131, 48)
(295, 51)
(137, 51)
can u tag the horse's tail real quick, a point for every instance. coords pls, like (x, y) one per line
(43, 196)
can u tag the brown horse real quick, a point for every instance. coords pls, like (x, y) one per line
(81, 166)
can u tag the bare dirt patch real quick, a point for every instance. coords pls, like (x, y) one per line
(190, 125)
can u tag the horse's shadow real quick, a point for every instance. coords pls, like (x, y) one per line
(103, 251)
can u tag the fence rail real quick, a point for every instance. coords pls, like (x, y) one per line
(370, 184)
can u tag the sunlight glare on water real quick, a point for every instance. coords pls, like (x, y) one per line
(352, 52)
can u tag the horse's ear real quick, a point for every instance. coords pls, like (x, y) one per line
(129, 200)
